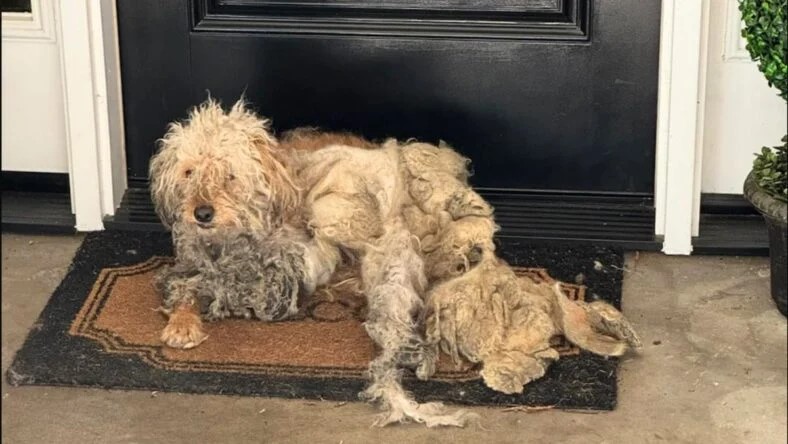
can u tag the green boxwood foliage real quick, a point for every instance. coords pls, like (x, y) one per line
(771, 170)
(764, 30)
(767, 42)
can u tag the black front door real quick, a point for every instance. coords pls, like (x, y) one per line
(548, 97)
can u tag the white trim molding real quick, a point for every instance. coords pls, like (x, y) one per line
(38, 24)
(703, 69)
(735, 44)
(679, 123)
(94, 135)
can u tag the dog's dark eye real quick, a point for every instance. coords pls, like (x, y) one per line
(187, 173)
(231, 177)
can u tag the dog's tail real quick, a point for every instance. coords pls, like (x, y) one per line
(597, 326)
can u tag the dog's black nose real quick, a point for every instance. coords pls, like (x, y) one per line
(203, 213)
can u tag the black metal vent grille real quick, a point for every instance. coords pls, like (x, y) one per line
(135, 212)
(37, 212)
(625, 221)
(730, 225)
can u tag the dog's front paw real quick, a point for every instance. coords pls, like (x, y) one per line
(184, 329)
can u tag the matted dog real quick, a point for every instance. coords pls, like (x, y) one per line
(258, 224)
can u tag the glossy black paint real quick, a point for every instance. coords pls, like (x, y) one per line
(486, 19)
(542, 95)
(16, 6)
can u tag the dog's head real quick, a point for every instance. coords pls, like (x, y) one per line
(221, 169)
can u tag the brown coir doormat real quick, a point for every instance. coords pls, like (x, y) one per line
(100, 329)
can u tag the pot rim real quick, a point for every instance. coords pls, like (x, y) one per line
(763, 202)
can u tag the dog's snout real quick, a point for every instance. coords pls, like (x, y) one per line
(203, 214)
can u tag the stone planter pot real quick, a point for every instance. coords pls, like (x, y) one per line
(775, 213)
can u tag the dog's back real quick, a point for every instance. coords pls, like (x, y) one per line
(312, 139)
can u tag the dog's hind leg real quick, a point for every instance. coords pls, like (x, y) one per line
(597, 327)
(484, 316)
(605, 318)
(525, 353)
(393, 277)
(393, 280)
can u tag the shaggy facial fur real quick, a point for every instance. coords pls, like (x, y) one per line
(258, 226)
(225, 160)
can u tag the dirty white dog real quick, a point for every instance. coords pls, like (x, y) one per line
(259, 224)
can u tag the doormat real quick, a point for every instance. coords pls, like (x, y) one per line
(100, 329)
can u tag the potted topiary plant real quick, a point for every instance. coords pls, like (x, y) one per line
(766, 187)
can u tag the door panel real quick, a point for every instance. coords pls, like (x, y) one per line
(541, 94)
(549, 95)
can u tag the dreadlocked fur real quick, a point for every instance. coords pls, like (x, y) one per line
(261, 226)
(241, 273)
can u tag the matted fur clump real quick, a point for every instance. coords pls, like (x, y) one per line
(260, 224)
(492, 316)
(241, 273)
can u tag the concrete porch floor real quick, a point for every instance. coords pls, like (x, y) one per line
(713, 370)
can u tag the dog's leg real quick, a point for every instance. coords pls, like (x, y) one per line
(320, 262)
(393, 276)
(184, 327)
(524, 354)
(486, 316)
(280, 281)
(430, 348)
(393, 279)
(597, 326)
(291, 268)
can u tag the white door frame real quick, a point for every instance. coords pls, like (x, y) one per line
(91, 76)
(90, 66)
(682, 72)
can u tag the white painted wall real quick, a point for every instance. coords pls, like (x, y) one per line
(33, 117)
(741, 112)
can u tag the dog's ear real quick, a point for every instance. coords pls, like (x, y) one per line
(284, 192)
(257, 128)
(273, 160)
(162, 173)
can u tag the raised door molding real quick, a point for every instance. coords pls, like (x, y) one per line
(483, 19)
